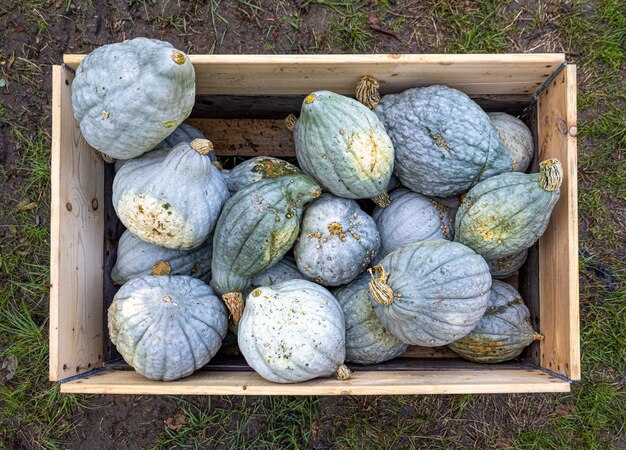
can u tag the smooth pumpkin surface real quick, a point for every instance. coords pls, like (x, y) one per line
(503, 332)
(337, 241)
(430, 293)
(516, 137)
(367, 340)
(293, 331)
(256, 169)
(507, 266)
(166, 327)
(130, 96)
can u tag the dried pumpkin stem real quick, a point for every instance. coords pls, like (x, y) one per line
(537, 336)
(218, 165)
(367, 91)
(378, 286)
(290, 122)
(106, 158)
(161, 268)
(202, 146)
(383, 200)
(179, 58)
(343, 373)
(234, 303)
(550, 174)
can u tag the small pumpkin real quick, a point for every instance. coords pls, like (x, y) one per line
(337, 241)
(516, 137)
(507, 213)
(507, 266)
(367, 340)
(292, 332)
(128, 97)
(344, 146)
(166, 327)
(502, 333)
(256, 169)
(430, 293)
(171, 199)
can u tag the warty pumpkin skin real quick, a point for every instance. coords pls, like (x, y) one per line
(166, 327)
(507, 213)
(344, 146)
(130, 96)
(516, 137)
(507, 266)
(337, 241)
(367, 340)
(430, 293)
(292, 332)
(171, 199)
(256, 169)
(503, 332)
(444, 141)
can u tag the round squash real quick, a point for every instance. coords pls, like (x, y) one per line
(171, 199)
(167, 327)
(516, 137)
(135, 258)
(444, 141)
(183, 133)
(507, 213)
(507, 266)
(256, 169)
(502, 333)
(337, 241)
(430, 293)
(367, 340)
(293, 331)
(344, 146)
(128, 97)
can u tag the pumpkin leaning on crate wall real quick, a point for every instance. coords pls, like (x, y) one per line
(507, 266)
(516, 137)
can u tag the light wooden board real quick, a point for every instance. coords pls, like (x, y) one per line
(76, 235)
(558, 248)
(361, 383)
(301, 74)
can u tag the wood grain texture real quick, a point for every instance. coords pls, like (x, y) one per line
(558, 248)
(76, 241)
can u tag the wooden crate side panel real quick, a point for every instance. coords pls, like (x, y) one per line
(76, 235)
(558, 248)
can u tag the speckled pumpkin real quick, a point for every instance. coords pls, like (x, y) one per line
(171, 199)
(293, 331)
(130, 96)
(337, 241)
(135, 258)
(503, 332)
(507, 213)
(507, 266)
(444, 141)
(167, 327)
(367, 340)
(516, 137)
(256, 169)
(343, 145)
(430, 293)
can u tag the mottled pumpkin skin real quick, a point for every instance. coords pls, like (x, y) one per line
(258, 225)
(171, 199)
(507, 266)
(135, 258)
(337, 241)
(440, 292)
(444, 141)
(292, 332)
(516, 137)
(256, 169)
(411, 217)
(502, 333)
(166, 327)
(367, 340)
(343, 145)
(130, 96)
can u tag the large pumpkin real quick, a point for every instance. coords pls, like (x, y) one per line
(256, 169)
(430, 293)
(516, 137)
(128, 97)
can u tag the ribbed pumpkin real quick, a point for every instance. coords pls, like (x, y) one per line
(507, 213)
(136, 258)
(444, 141)
(343, 145)
(256, 169)
(172, 200)
(337, 241)
(130, 96)
(293, 331)
(166, 327)
(430, 293)
(503, 332)
(507, 266)
(516, 137)
(367, 340)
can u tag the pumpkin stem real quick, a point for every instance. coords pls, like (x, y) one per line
(202, 146)
(234, 303)
(367, 91)
(343, 373)
(537, 336)
(218, 165)
(378, 286)
(106, 158)
(179, 58)
(290, 122)
(161, 268)
(550, 174)
(383, 200)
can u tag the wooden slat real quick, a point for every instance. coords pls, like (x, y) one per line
(76, 234)
(361, 383)
(558, 248)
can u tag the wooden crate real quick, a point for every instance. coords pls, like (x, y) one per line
(241, 100)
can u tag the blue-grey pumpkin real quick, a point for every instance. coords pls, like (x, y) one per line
(507, 266)
(256, 169)
(516, 137)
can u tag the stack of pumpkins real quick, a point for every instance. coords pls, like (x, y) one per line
(205, 248)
